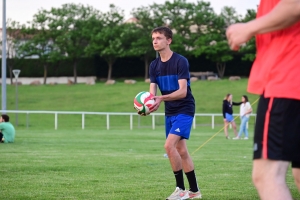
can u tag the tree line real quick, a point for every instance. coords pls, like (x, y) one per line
(74, 31)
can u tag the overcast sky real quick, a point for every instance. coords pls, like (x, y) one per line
(23, 10)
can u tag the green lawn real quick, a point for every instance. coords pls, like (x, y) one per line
(95, 163)
(120, 164)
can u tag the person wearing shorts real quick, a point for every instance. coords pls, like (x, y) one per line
(228, 114)
(170, 72)
(275, 77)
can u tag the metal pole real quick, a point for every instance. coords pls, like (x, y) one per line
(82, 121)
(55, 121)
(27, 120)
(4, 57)
(194, 122)
(131, 122)
(107, 121)
(153, 122)
(16, 73)
(17, 101)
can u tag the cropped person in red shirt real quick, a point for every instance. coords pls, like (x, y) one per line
(274, 76)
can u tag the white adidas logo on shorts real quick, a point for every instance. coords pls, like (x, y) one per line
(177, 130)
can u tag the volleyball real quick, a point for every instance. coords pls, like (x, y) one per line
(143, 101)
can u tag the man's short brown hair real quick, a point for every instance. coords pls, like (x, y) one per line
(5, 117)
(163, 30)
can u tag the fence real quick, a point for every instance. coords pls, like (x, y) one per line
(108, 116)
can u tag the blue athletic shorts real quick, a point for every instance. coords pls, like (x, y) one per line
(229, 117)
(179, 125)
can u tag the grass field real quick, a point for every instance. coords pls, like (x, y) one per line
(95, 163)
(114, 165)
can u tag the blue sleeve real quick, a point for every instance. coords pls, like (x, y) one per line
(152, 73)
(183, 69)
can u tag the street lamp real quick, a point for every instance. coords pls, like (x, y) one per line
(16, 73)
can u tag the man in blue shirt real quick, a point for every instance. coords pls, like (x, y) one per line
(170, 72)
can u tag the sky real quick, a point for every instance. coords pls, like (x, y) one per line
(23, 10)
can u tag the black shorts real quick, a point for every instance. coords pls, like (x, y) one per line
(277, 130)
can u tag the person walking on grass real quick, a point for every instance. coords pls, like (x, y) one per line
(7, 130)
(275, 77)
(227, 114)
(245, 111)
(170, 72)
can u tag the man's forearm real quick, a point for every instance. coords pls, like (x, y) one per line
(153, 88)
(285, 14)
(178, 94)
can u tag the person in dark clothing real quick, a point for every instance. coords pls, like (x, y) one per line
(227, 114)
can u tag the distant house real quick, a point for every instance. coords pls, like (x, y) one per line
(131, 20)
(14, 39)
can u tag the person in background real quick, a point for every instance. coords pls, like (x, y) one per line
(227, 114)
(245, 110)
(7, 130)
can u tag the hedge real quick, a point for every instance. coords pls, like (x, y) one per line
(122, 68)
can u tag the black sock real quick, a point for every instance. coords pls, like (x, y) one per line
(179, 179)
(192, 181)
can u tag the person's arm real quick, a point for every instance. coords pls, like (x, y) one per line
(236, 103)
(178, 94)
(153, 88)
(248, 111)
(283, 15)
(224, 110)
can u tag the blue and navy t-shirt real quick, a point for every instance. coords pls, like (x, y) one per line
(166, 76)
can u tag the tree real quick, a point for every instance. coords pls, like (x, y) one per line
(249, 49)
(177, 16)
(69, 26)
(41, 42)
(213, 42)
(203, 20)
(12, 43)
(111, 40)
(146, 21)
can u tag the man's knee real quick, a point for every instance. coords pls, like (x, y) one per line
(257, 179)
(171, 143)
(167, 147)
(266, 171)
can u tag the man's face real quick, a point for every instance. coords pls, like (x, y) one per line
(160, 42)
(1, 119)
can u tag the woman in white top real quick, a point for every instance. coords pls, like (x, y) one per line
(245, 110)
